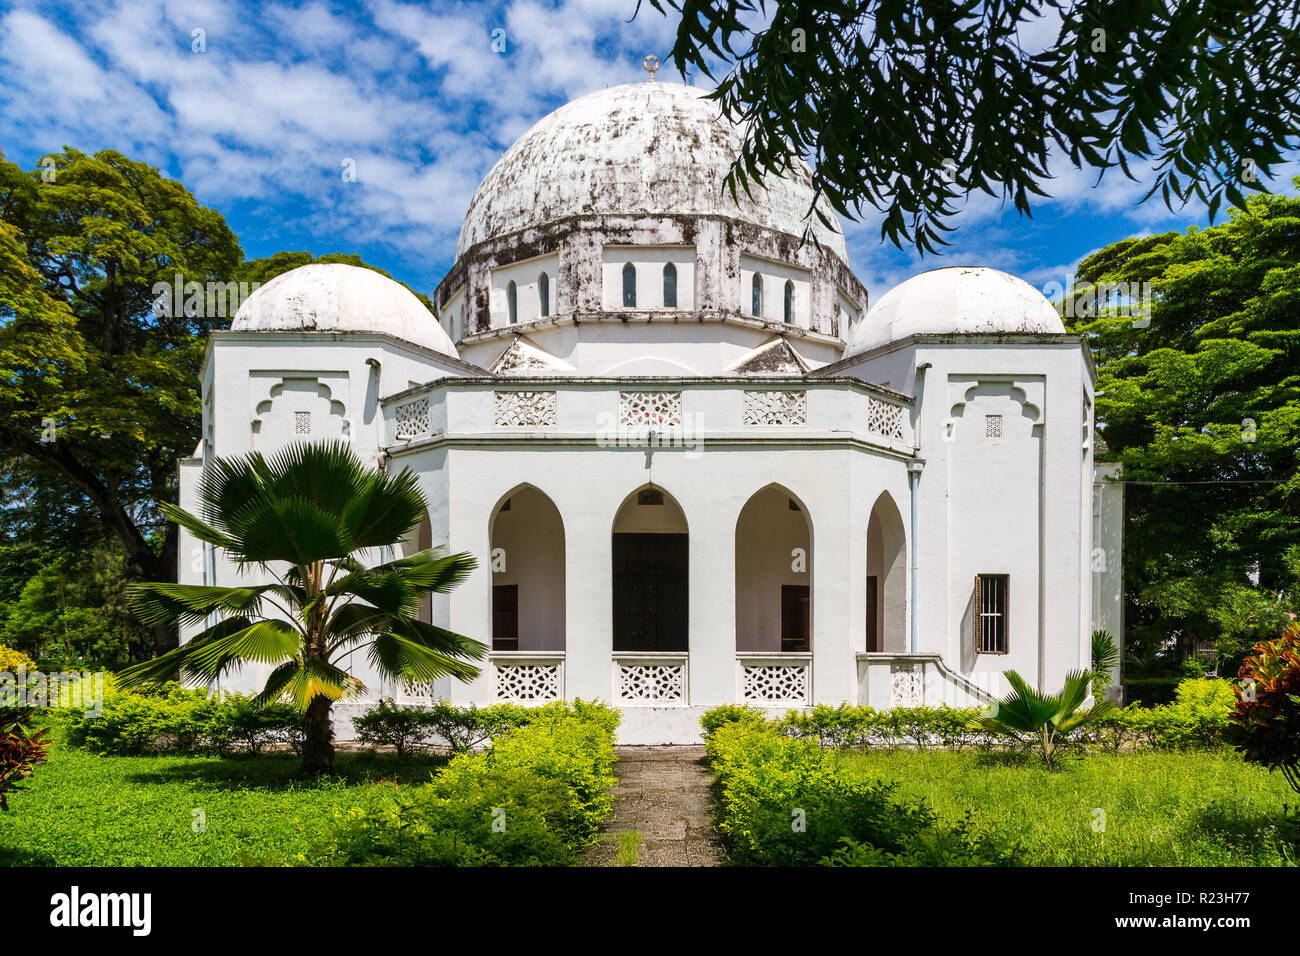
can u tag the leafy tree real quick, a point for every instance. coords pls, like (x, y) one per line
(301, 518)
(73, 612)
(98, 373)
(1046, 720)
(98, 387)
(911, 105)
(1199, 399)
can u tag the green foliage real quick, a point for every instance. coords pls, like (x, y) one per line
(537, 798)
(462, 728)
(784, 802)
(1198, 717)
(852, 727)
(1200, 403)
(1117, 86)
(301, 515)
(97, 389)
(73, 612)
(1153, 807)
(1105, 658)
(1044, 722)
(176, 719)
(1150, 691)
(22, 746)
(1266, 717)
(726, 714)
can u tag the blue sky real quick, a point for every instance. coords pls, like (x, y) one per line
(421, 99)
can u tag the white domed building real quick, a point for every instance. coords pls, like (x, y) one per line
(694, 468)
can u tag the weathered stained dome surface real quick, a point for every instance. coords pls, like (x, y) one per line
(333, 297)
(955, 300)
(647, 148)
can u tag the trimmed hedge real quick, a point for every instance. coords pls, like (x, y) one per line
(786, 802)
(176, 719)
(461, 728)
(537, 798)
(1198, 717)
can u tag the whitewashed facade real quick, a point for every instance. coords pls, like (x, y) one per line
(694, 468)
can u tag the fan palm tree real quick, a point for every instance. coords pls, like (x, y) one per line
(301, 518)
(1046, 718)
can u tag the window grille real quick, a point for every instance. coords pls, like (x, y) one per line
(991, 613)
(302, 423)
(992, 426)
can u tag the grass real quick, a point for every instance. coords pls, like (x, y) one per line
(629, 847)
(83, 810)
(1152, 808)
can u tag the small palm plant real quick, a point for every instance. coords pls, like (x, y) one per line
(1046, 719)
(1105, 658)
(301, 518)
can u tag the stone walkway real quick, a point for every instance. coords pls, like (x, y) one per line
(662, 795)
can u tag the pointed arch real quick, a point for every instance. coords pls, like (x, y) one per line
(670, 286)
(526, 563)
(774, 600)
(886, 585)
(629, 286)
(650, 539)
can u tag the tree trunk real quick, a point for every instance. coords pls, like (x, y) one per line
(318, 738)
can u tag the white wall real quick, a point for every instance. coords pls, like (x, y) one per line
(525, 275)
(649, 262)
(775, 275)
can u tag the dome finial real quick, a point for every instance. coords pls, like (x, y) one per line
(651, 65)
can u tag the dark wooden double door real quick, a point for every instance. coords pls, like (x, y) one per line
(651, 584)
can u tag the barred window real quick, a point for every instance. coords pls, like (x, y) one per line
(789, 301)
(756, 296)
(991, 613)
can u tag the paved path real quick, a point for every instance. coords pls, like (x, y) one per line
(662, 794)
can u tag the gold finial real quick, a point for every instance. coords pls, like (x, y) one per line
(651, 64)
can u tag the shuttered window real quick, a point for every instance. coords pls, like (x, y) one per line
(991, 592)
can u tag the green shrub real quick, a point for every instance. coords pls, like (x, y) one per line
(464, 728)
(537, 798)
(403, 728)
(725, 714)
(785, 802)
(849, 727)
(1198, 717)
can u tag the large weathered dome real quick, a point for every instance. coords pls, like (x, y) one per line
(333, 297)
(955, 300)
(642, 148)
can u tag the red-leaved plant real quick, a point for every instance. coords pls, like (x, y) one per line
(1266, 722)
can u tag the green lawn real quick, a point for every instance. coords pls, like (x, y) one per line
(1161, 808)
(83, 810)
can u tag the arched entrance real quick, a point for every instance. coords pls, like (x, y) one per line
(527, 561)
(773, 574)
(886, 610)
(651, 579)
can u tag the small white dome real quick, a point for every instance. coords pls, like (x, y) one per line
(958, 300)
(333, 297)
(636, 149)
